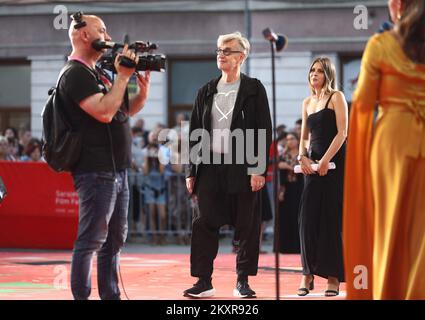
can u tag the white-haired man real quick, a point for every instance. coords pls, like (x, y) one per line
(228, 193)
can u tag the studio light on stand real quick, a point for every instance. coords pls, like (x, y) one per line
(278, 43)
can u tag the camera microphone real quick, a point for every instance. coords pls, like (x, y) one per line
(98, 45)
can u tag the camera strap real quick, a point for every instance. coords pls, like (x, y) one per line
(126, 102)
(98, 74)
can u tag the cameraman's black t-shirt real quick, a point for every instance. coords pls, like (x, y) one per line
(78, 83)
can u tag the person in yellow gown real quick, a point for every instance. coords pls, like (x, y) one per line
(384, 193)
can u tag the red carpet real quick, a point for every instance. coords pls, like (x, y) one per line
(41, 275)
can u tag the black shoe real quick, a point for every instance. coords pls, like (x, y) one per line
(304, 291)
(332, 293)
(243, 290)
(201, 289)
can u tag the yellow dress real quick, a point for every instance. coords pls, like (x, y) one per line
(384, 192)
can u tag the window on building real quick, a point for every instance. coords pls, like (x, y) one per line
(350, 69)
(186, 76)
(15, 94)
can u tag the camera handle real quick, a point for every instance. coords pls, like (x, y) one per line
(127, 62)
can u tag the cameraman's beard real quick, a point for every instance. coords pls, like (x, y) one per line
(97, 53)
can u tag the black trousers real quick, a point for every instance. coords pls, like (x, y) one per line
(218, 208)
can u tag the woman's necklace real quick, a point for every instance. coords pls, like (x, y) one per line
(319, 99)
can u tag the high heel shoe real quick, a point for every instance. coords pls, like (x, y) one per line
(332, 293)
(304, 291)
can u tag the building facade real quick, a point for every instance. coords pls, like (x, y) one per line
(34, 46)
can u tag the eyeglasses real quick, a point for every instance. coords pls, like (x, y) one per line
(226, 52)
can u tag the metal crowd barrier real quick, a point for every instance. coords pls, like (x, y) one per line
(179, 210)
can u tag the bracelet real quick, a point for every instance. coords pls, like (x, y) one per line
(299, 157)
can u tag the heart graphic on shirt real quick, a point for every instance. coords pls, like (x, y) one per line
(225, 103)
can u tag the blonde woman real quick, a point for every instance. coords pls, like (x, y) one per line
(324, 127)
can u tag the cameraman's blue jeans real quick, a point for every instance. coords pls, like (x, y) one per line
(102, 228)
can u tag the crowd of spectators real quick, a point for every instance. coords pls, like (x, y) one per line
(19, 145)
(160, 204)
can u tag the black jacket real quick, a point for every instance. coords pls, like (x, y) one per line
(251, 111)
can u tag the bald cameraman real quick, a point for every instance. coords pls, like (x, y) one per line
(94, 106)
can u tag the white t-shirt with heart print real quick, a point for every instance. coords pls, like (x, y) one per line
(221, 114)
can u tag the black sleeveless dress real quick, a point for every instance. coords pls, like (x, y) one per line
(320, 219)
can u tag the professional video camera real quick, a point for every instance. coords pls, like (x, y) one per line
(147, 61)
